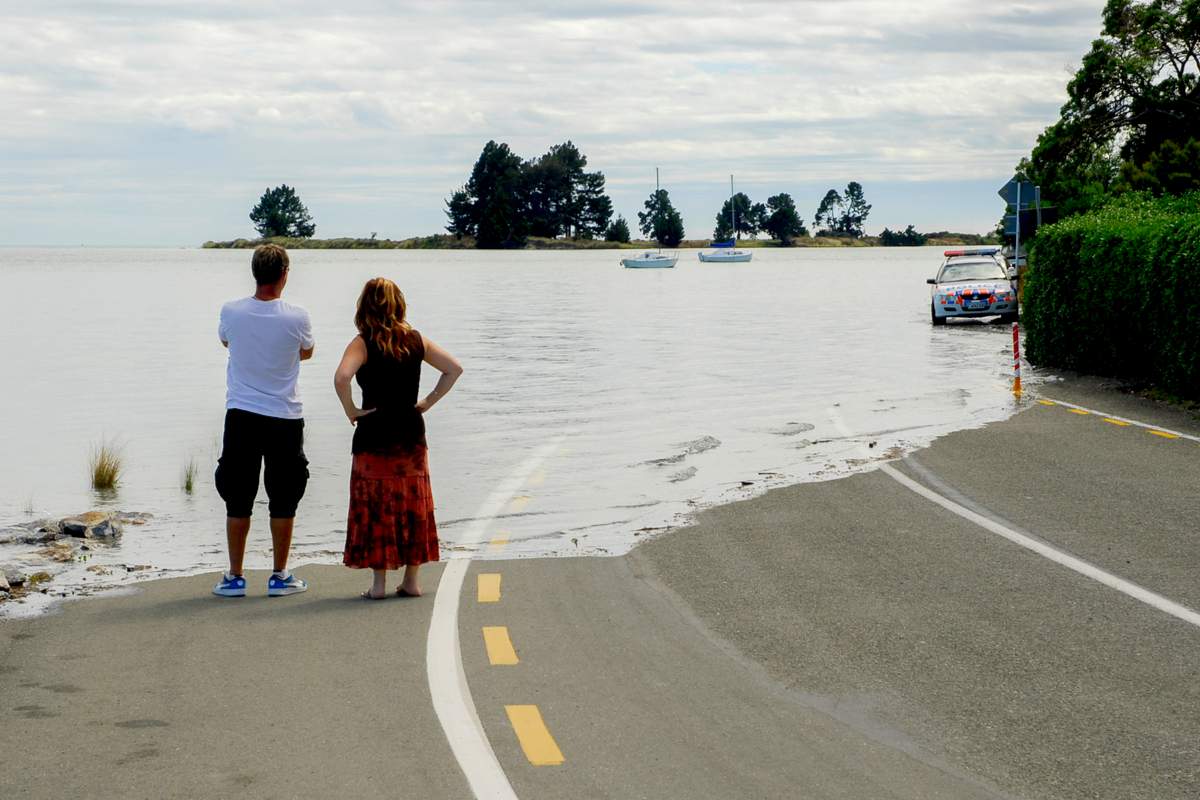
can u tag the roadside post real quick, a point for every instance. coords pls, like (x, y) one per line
(1017, 360)
(1017, 247)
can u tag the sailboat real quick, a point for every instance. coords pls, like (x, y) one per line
(723, 254)
(649, 259)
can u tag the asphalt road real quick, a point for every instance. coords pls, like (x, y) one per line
(846, 639)
(175, 693)
(1008, 666)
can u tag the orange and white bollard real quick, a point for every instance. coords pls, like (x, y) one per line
(1016, 359)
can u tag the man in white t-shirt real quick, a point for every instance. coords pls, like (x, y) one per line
(264, 420)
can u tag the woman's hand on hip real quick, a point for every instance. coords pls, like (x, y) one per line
(357, 413)
(422, 406)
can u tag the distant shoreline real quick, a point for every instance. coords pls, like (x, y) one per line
(448, 242)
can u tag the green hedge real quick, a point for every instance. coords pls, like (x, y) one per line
(1117, 292)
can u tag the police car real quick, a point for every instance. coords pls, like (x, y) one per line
(973, 282)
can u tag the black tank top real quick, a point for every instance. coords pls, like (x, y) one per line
(390, 386)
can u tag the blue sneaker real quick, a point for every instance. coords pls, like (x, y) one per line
(230, 586)
(281, 584)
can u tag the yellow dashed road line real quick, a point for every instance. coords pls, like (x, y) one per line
(539, 746)
(536, 742)
(499, 647)
(1119, 421)
(488, 587)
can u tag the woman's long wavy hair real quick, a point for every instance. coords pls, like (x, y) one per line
(380, 318)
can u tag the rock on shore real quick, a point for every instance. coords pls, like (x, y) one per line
(104, 526)
(91, 525)
(64, 540)
(13, 583)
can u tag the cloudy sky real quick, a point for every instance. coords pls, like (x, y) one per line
(144, 122)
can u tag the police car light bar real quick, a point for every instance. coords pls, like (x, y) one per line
(972, 251)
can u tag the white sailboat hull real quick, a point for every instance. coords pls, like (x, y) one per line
(649, 261)
(727, 257)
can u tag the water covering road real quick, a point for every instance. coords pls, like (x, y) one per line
(673, 389)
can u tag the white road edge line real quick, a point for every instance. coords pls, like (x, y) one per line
(1145, 425)
(1060, 557)
(452, 701)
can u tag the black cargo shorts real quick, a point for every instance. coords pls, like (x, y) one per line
(254, 442)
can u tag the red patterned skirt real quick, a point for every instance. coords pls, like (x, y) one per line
(391, 522)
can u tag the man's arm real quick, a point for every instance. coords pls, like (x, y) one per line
(307, 344)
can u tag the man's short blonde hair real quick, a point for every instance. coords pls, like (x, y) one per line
(269, 263)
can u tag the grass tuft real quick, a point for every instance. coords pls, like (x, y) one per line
(190, 470)
(38, 578)
(106, 465)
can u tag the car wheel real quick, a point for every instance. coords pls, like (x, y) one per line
(934, 318)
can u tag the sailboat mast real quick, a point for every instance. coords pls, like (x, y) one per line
(656, 190)
(732, 209)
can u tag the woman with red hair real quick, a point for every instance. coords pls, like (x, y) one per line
(391, 523)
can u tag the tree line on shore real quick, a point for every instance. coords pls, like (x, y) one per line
(507, 199)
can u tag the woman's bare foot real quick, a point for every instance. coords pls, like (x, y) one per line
(410, 587)
(378, 589)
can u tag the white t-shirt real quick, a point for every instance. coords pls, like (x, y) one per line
(265, 339)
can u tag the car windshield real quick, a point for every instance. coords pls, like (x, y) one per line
(972, 271)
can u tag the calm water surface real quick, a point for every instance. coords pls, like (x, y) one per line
(670, 389)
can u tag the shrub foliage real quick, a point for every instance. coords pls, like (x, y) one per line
(1117, 292)
(909, 237)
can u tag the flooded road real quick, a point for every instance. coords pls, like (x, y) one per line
(669, 389)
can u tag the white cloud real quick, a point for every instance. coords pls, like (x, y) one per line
(362, 103)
